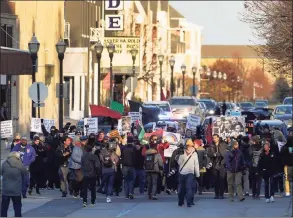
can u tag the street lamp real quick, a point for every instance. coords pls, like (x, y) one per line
(220, 75)
(215, 75)
(161, 59)
(183, 69)
(99, 49)
(61, 47)
(111, 50)
(133, 54)
(172, 63)
(224, 76)
(34, 47)
(194, 69)
(208, 72)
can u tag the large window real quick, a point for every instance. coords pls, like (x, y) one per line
(6, 35)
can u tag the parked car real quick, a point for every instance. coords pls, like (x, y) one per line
(246, 105)
(284, 113)
(182, 106)
(259, 124)
(166, 111)
(261, 103)
(211, 106)
(288, 100)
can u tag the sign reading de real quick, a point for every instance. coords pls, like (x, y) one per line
(91, 125)
(114, 22)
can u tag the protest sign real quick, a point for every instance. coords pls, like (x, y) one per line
(119, 126)
(6, 129)
(91, 125)
(229, 126)
(192, 122)
(48, 124)
(36, 125)
(169, 151)
(135, 116)
(126, 124)
(172, 138)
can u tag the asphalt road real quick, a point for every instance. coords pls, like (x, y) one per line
(50, 204)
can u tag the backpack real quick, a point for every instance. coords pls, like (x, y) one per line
(256, 157)
(149, 162)
(107, 162)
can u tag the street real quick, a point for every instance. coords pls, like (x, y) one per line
(50, 204)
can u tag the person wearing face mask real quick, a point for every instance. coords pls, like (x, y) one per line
(15, 141)
(27, 156)
(267, 167)
(37, 167)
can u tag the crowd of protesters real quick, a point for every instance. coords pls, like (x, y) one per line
(112, 165)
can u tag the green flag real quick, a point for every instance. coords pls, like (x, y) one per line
(115, 106)
(140, 131)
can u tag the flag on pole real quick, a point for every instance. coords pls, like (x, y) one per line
(140, 130)
(115, 106)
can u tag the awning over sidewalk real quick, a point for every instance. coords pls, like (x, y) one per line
(15, 62)
(102, 111)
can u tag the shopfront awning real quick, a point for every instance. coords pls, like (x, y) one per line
(102, 111)
(15, 62)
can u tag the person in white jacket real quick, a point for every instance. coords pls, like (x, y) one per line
(188, 172)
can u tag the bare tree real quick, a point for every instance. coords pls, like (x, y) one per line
(272, 23)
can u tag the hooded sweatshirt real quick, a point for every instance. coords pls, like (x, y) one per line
(13, 172)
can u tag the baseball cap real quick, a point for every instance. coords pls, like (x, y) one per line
(83, 138)
(23, 138)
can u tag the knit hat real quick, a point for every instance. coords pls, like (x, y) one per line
(24, 138)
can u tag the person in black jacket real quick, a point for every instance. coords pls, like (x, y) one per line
(245, 149)
(128, 170)
(63, 154)
(90, 167)
(139, 167)
(37, 167)
(267, 167)
(216, 153)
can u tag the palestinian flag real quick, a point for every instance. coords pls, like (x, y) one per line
(116, 106)
(140, 130)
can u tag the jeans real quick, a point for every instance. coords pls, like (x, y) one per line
(235, 179)
(269, 187)
(219, 179)
(16, 200)
(186, 188)
(255, 182)
(108, 180)
(129, 177)
(63, 173)
(90, 183)
(140, 175)
(152, 179)
(26, 182)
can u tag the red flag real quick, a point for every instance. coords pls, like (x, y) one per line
(106, 82)
(163, 98)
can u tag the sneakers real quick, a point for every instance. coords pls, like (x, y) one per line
(154, 198)
(131, 196)
(287, 194)
(272, 199)
(168, 191)
(243, 199)
(267, 200)
(109, 199)
(84, 204)
(247, 194)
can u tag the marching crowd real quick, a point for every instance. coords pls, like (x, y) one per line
(111, 165)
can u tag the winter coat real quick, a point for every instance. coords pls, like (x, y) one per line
(114, 159)
(245, 149)
(12, 173)
(217, 154)
(158, 160)
(128, 156)
(75, 158)
(63, 160)
(234, 161)
(190, 166)
(38, 164)
(286, 155)
(139, 159)
(267, 164)
(28, 156)
(202, 157)
(90, 165)
(161, 147)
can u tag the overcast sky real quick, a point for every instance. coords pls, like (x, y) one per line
(220, 20)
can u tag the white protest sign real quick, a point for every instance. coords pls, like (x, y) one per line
(135, 116)
(192, 122)
(169, 151)
(126, 124)
(36, 125)
(91, 125)
(6, 129)
(119, 126)
(48, 124)
(172, 138)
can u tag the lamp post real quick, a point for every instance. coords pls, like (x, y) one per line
(183, 69)
(61, 47)
(161, 59)
(34, 47)
(111, 50)
(194, 69)
(133, 54)
(99, 49)
(172, 63)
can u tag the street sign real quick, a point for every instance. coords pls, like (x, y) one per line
(39, 104)
(38, 92)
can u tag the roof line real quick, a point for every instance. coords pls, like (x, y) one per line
(14, 49)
